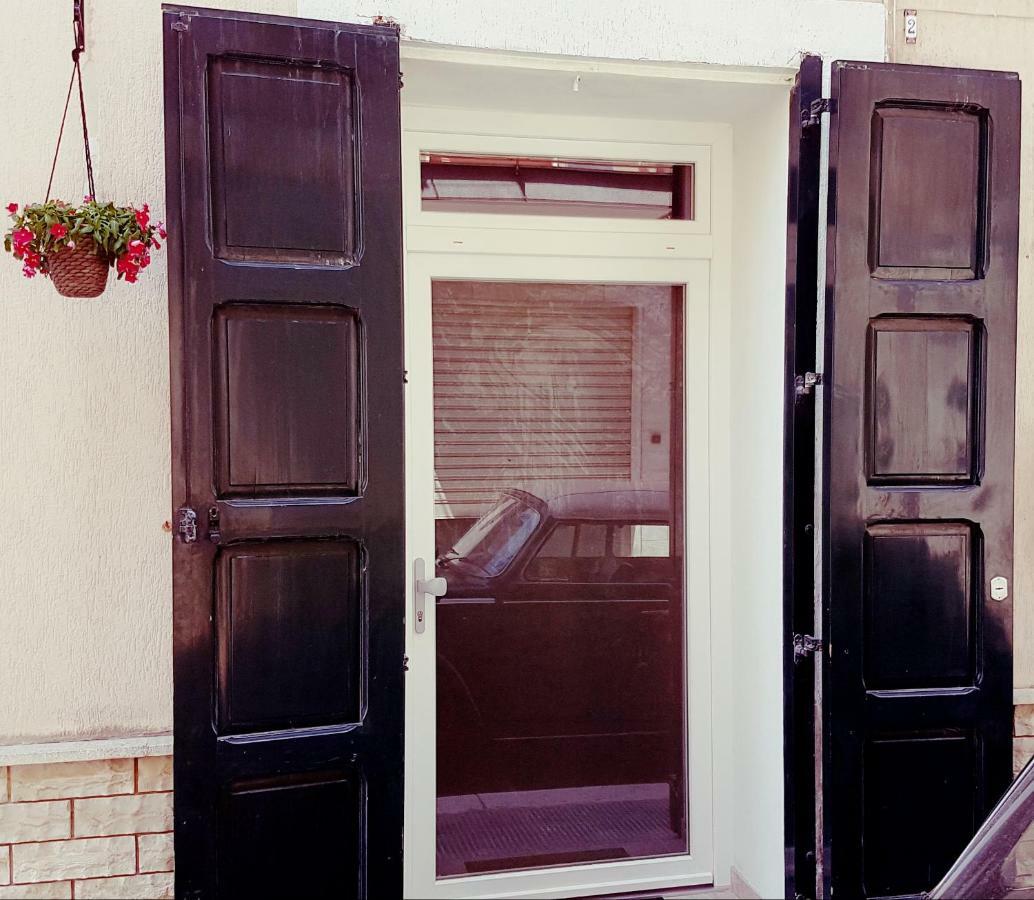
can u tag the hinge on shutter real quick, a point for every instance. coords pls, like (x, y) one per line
(804, 645)
(805, 384)
(187, 524)
(813, 114)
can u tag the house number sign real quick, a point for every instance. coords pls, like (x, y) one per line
(911, 26)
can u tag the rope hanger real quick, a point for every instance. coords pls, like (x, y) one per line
(79, 35)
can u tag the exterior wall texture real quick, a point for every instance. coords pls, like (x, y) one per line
(86, 645)
(85, 651)
(91, 829)
(84, 444)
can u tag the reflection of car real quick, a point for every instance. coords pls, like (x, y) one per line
(998, 864)
(560, 645)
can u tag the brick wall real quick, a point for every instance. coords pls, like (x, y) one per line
(96, 830)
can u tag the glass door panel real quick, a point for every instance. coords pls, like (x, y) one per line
(561, 707)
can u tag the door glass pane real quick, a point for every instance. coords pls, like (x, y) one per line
(561, 640)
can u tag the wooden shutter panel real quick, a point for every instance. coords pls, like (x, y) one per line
(286, 335)
(920, 383)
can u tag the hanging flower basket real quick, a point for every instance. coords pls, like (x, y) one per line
(76, 245)
(78, 271)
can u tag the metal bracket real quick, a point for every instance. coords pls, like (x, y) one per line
(812, 115)
(79, 25)
(187, 524)
(804, 645)
(805, 384)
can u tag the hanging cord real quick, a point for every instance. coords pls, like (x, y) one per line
(77, 73)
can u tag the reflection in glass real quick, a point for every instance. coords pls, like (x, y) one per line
(560, 642)
(549, 186)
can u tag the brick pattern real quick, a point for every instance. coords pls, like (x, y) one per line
(79, 830)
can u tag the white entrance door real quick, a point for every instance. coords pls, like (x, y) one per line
(559, 692)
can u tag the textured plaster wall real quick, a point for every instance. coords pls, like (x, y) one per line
(85, 593)
(729, 32)
(85, 632)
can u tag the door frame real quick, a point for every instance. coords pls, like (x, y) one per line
(495, 246)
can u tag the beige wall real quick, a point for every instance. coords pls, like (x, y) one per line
(997, 34)
(85, 632)
(85, 593)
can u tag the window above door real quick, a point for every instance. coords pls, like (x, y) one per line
(530, 182)
(551, 186)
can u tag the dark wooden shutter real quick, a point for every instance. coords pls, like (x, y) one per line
(286, 333)
(802, 251)
(920, 378)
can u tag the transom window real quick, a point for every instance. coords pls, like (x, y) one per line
(551, 186)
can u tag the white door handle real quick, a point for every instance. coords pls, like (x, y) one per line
(422, 586)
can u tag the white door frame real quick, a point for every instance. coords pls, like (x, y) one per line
(534, 248)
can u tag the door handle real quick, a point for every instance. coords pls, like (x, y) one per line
(423, 586)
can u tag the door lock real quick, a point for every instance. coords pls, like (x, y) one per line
(423, 586)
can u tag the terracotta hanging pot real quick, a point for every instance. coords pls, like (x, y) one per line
(78, 271)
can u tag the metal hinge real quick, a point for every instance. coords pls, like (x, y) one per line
(805, 645)
(812, 115)
(187, 524)
(805, 384)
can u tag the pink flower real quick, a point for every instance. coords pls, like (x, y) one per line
(135, 248)
(12, 208)
(143, 216)
(87, 198)
(21, 238)
(156, 245)
(162, 231)
(32, 262)
(58, 230)
(128, 267)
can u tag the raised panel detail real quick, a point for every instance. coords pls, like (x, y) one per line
(292, 837)
(282, 161)
(289, 635)
(923, 395)
(910, 783)
(928, 189)
(919, 605)
(287, 400)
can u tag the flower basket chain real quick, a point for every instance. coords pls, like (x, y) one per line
(76, 245)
